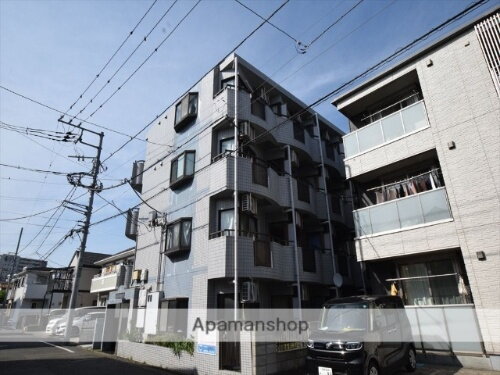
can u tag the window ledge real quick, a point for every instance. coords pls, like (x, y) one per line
(184, 122)
(181, 182)
(176, 251)
(404, 229)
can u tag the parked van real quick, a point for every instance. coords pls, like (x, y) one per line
(364, 335)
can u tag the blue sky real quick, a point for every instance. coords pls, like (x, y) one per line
(50, 50)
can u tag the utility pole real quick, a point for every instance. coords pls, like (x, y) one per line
(85, 229)
(13, 267)
(236, 197)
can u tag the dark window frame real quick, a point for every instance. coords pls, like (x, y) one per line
(182, 118)
(299, 133)
(179, 247)
(179, 180)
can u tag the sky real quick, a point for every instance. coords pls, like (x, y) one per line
(51, 50)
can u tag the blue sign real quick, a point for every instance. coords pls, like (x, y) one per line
(207, 349)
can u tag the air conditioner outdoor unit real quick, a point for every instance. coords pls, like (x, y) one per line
(295, 158)
(249, 292)
(249, 203)
(247, 130)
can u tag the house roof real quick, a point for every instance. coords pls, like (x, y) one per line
(127, 253)
(415, 56)
(89, 258)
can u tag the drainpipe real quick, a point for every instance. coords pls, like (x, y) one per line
(295, 247)
(327, 201)
(236, 200)
(363, 264)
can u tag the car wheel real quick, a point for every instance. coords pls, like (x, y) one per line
(411, 364)
(372, 368)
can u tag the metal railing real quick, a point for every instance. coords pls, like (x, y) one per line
(414, 210)
(389, 128)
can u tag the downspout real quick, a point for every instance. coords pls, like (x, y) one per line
(236, 200)
(295, 245)
(327, 201)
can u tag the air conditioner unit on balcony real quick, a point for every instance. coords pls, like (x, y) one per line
(295, 158)
(249, 203)
(249, 292)
(247, 131)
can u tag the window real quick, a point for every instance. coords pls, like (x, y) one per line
(182, 168)
(248, 224)
(299, 132)
(228, 82)
(262, 253)
(432, 283)
(258, 108)
(259, 172)
(308, 260)
(330, 150)
(178, 237)
(186, 110)
(173, 316)
(226, 144)
(303, 191)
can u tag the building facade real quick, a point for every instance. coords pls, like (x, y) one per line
(294, 211)
(7, 261)
(422, 158)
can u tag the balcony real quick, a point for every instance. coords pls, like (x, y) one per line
(388, 129)
(412, 211)
(104, 283)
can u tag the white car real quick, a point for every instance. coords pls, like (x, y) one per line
(81, 315)
(53, 323)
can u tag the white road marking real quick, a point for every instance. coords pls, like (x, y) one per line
(57, 346)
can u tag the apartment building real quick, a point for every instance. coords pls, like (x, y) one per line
(293, 213)
(10, 262)
(422, 158)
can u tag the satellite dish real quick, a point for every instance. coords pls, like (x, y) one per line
(338, 280)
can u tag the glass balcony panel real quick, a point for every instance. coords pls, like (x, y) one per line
(435, 205)
(370, 136)
(414, 117)
(409, 212)
(363, 223)
(384, 217)
(350, 145)
(392, 126)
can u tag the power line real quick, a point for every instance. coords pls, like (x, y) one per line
(145, 61)
(32, 215)
(35, 101)
(112, 56)
(143, 40)
(178, 98)
(35, 170)
(325, 97)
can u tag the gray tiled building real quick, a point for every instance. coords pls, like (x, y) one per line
(291, 185)
(423, 160)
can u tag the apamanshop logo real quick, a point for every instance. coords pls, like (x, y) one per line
(277, 325)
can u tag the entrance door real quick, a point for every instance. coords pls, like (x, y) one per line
(229, 345)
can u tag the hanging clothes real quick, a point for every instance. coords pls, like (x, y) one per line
(380, 196)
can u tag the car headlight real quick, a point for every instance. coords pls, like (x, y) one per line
(353, 345)
(310, 343)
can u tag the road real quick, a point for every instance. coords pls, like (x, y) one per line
(41, 357)
(38, 354)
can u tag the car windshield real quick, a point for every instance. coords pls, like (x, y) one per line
(345, 317)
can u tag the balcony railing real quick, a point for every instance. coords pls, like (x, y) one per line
(394, 126)
(414, 210)
(104, 283)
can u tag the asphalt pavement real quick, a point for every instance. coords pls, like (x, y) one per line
(37, 354)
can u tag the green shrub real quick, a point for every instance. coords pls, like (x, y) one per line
(177, 343)
(134, 335)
